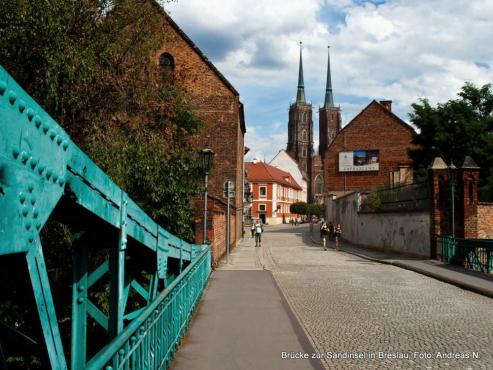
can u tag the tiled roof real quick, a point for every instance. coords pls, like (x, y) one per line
(261, 171)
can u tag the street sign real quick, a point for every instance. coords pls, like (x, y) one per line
(228, 188)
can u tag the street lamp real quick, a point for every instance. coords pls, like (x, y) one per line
(206, 162)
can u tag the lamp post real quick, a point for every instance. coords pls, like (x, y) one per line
(452, 175)
(206, 162)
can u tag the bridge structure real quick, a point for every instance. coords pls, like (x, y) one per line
(153, 280)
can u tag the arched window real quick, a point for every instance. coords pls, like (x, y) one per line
(319, 184)
(167, 64)
(304, 135)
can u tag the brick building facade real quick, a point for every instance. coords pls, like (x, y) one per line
(273, 192)
(374, 129)
(218, 105)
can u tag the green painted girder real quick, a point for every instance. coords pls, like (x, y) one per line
(39, 163)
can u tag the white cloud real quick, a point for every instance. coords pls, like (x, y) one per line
(400, 50)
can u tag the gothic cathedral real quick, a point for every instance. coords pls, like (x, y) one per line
(300, 133)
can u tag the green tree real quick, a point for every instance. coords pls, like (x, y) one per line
(456, 128)
(298, 208)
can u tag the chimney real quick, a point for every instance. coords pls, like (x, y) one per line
(387, 104)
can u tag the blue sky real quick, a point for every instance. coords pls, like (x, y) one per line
(397, 50)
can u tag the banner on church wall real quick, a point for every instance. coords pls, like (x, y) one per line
(359, 160)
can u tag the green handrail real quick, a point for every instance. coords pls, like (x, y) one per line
(150, 341)
(473, 254)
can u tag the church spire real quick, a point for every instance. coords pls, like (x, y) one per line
(329, 99)
(300, 95)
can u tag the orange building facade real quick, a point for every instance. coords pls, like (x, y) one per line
(273, 192)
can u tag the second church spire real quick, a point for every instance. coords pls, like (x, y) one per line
(300, 95)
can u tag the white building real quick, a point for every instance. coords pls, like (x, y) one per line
(286, 163)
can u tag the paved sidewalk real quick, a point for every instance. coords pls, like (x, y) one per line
(470, 280)
(243, 321)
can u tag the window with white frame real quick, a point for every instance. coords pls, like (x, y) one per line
(261, 207)
(262, 191)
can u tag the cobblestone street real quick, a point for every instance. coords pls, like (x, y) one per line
(351, 305)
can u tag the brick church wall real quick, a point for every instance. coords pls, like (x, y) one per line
(485, 220)
(375, 128)
(218, 105)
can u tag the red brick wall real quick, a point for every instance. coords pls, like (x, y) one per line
(216, 227)
(468, 204)
(485, 220)
(375, 128)
(220, 109)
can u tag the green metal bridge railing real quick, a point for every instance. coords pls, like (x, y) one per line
(473, 254)
(44, 175)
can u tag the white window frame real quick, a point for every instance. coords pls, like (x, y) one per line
(260, 192)
(264, 206)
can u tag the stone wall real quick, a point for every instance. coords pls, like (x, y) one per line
(485, 221)
(406, 232)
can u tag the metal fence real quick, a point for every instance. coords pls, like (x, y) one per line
(472, 254)
(405, 198)
(150, 341)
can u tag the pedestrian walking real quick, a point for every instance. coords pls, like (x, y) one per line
(295, 221)
(258, 233)
(337, 234)
(331, 230)
(324, 234)
(252, 230)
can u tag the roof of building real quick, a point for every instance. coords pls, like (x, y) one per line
(283, 151)
(388, 112)
(262, 171)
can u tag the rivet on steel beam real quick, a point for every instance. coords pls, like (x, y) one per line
(28, 225)
(15, 152)
(81, 288)
(108, 368)
(33, 199)
(52, 134)
(46, 127)
(22, 197)
(121, 352)
(37, 121)
(22, 106)
(24, 157)
(12, 97)
(3, 87)
(48, 173)
(30, 187)
(30, 238)
(25, 211)
(33, 162)
(80, 300)
(65, 144)
(55, 177)
(38, 225)
(61, 181)
(30, 114)
(41, 168)
(58, 140)
(35, 213)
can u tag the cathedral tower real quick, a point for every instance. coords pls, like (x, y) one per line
(329, 116)
(300, 129)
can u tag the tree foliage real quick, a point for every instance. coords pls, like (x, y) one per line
(456, 128)
(303, 208)
(88, 63)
